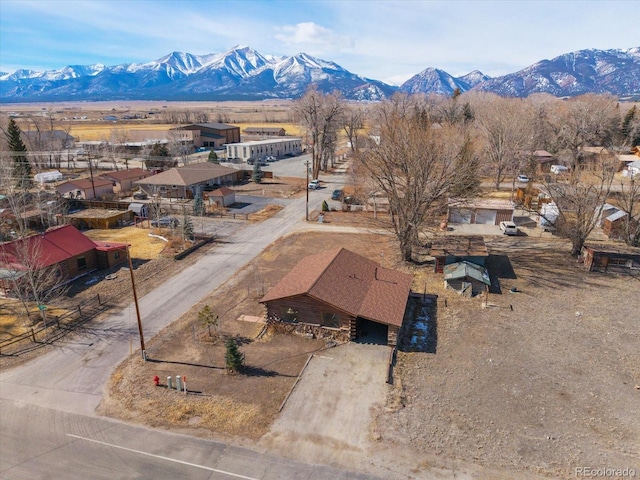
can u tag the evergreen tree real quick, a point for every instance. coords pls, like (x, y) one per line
(208, 318)
(233, 357)
(257, 172)
(213, 157)
(630, 128)
(187, 227)
(158, 157)
(198, 205)
(21, 170)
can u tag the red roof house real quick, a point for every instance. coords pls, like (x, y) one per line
(341, 290)
(65, 248)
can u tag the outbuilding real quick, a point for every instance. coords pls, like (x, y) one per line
(480, 211)
(615, 258)
(466, 278)
(48, 177)
(221, 197)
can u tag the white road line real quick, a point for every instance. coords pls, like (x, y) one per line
(162, 458)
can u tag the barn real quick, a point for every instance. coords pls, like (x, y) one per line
(342, 292)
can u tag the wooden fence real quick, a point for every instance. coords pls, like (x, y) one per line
(56, 328)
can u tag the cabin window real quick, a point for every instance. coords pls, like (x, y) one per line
(289, 314)
(331, 320)
(82, 263)
(116, 255)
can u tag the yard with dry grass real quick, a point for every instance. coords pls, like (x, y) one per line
(538, 382)
(239, 405)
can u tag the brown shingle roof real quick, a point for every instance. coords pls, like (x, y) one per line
(86, 184)
(189, 175)
(126, 174)
(348, 282)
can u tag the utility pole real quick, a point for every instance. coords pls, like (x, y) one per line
(135, 300)
(306, 164)
(93, 185)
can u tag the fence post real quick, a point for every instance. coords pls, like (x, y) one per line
(33, 336)
(79, 310)
(99, 302)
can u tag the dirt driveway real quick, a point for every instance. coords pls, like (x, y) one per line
(327, 417)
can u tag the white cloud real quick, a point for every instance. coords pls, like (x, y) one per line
(313, 38)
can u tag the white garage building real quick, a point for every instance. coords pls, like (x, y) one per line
(480, 211)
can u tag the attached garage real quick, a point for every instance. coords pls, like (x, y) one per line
(343, 294)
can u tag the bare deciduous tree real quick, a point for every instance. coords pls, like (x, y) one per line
(353, 124)
(319, 115)
(415, 162)
(31, 278)
(505, 130)
(583, 121)
(629, 202)
(580, 201)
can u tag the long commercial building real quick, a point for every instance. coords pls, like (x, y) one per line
(255, 150)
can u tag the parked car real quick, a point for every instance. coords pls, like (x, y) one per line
(165, 222)
(270, 158)
(508, 228)
(337, 194)
(558, 169)
(522, 179)
(314, 184)
(139, 195)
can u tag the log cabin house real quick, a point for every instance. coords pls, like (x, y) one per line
(343, 292)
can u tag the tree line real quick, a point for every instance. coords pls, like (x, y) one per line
(421, 150)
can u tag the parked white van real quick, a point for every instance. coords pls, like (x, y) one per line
(557, 169)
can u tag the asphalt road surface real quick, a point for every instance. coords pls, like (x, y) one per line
(40, 443)
(48, 424)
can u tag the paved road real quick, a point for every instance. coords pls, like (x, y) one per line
(39, 443)
(71, 378)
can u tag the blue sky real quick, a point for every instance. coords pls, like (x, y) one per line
(384, 40)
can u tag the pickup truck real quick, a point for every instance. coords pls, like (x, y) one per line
(314, 184)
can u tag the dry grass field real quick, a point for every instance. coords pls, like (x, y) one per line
(141, 245)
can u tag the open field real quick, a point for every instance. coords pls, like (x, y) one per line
(276, 113)
(539, 382)
(543, 380)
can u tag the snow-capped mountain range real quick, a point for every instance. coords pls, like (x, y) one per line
(244, 74)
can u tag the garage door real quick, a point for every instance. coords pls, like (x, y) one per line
(459, 215)
(486, 216)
